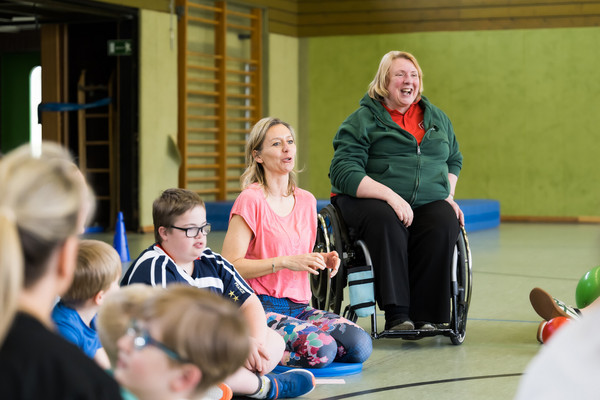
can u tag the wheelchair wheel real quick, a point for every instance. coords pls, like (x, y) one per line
(461, 289)
(327, 293)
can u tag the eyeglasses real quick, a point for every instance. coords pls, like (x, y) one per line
(141, 338)
(194, 230)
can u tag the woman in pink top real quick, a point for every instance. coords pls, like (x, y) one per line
(272, 231)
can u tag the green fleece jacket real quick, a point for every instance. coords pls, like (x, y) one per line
(370, 143)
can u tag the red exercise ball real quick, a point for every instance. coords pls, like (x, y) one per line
(552, 326)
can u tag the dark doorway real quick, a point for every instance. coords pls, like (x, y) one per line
(87, 26)
(88, 56)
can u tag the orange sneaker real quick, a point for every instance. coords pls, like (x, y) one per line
(227, 392)
(218, 392)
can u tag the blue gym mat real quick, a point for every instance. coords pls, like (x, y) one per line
(479, 213)
(333, 369)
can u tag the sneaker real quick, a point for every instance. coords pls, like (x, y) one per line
(400, 325)
(540, 330)
(292, 383)
(218, 392)
(548, 307)
(425, 326)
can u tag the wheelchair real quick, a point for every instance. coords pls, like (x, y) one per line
(328, 293)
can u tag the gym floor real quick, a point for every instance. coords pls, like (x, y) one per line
(508, 262)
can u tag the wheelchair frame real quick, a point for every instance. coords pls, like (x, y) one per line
(328, 293)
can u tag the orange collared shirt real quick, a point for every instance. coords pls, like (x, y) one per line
(411, 121)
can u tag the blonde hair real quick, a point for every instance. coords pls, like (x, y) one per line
(255, 172)
(42, 200)
(378, 86)
(201, 327)
(171, 204)
(98, 266)
(116, 312)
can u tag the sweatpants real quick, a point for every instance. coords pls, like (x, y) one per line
(412, 265)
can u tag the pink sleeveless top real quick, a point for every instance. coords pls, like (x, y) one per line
(279, 236)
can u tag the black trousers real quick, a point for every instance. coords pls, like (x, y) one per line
(412, 265)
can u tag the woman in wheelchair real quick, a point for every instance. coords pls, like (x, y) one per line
(271, 234)
(393, 175)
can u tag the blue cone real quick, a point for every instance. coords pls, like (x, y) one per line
(120, 239)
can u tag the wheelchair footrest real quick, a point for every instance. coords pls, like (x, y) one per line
(413, 334)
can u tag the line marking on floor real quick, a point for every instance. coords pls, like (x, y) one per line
(409, 385)
(503, 320)
(330, 381)
(526, 275)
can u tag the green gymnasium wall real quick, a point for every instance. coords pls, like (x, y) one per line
(159, 159)
(282, 75)
(525, 105)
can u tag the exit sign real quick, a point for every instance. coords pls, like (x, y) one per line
(121, 47)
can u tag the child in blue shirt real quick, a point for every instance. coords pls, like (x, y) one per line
(97, 273)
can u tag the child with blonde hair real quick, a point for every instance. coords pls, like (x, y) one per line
(183, 342)
(114, 318)
(115, 314)
(97, 273)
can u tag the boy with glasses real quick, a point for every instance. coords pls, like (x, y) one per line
(180, 255)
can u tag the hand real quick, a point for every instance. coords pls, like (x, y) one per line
(402, 209)
(457, 210)
(332, 260)
(258, 357)
(311, 262)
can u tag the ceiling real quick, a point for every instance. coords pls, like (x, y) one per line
(18, 15)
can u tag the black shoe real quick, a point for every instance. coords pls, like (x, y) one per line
(399, 325)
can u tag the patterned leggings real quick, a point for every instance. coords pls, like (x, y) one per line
(315, 338)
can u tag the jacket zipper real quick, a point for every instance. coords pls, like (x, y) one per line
(418, 177)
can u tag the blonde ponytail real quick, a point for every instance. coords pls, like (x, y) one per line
(11, 267)
(42, 202)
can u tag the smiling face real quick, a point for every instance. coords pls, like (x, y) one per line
(181, 248)
(403, 86)
(278, 153)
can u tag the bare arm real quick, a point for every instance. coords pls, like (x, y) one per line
(254, 314)
(102, 358)
(236, 244)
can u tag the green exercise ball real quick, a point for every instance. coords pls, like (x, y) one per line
(588, 288)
